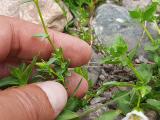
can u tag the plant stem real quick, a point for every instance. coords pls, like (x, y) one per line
(95, 109)
(148, 34)
(76, 89)
(131, 66)
(157, 27)
(139, 101)
(43, 23)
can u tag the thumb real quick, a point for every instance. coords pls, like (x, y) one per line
(40, 101)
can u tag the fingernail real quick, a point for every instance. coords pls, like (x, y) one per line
(56, 94)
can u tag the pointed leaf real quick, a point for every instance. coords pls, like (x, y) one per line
(68, 115)
(154, 103)
(41, 35)
(111, 115)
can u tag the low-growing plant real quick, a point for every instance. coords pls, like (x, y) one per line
(142, 94)
(82, 11)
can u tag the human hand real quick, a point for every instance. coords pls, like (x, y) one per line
(39, 101)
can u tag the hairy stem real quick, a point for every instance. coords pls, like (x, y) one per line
(43, 24)
(148, 34)
(139, 101)
(131, 66)
(157, 27)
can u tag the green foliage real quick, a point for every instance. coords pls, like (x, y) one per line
(124, 104)
(82, 71)
(56, 67)
(147, 14)
(143, 87)
(19, 75)
(115, 54)
(146, 73)
(111, 115)
(154, 103)
(82, 10)
(68, 115)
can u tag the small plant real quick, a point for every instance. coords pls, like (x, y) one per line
(82, 11)
(45, 70)
(143, 94)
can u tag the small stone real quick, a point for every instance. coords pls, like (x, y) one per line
(142, 59)
(102, 77)
(137, 61)
(97, 100)
(107, 95)
(94, 115)
(123, 88)
(95, 69)
(52, 12)
(152, 115)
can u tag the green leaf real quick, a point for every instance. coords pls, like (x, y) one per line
(149, 12)
(157, 59)
(157, 1)
(145, 15)
(26, 1)
(154, 103)
(8, 81)
(68, 115)
(23, 72)
(111, 115)
(133, 53)
(136, 14)
(60, 69)
(115, 83)
(82, 71)
(144, 90)
(151, 48)
(146, 72)
(116, 52)
(73, 104)
(123, 103)
(41, 35)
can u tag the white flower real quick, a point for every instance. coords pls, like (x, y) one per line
(135, 115)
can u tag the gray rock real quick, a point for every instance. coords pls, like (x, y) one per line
(102, 77)
(52, 12)
(107, 95)
(112, 21)
(94, 68)
(97, 100)
(133, 4)
(94, 115)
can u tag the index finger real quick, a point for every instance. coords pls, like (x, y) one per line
(16, 40)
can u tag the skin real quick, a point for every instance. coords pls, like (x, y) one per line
(17, 44)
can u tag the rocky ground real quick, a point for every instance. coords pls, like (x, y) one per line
(111, 20)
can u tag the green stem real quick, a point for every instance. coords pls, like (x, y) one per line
(138, 103)
(148, 34)
(95, 109)
(43, 23)
(131, 66)
(157, 27)
(76, 89)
